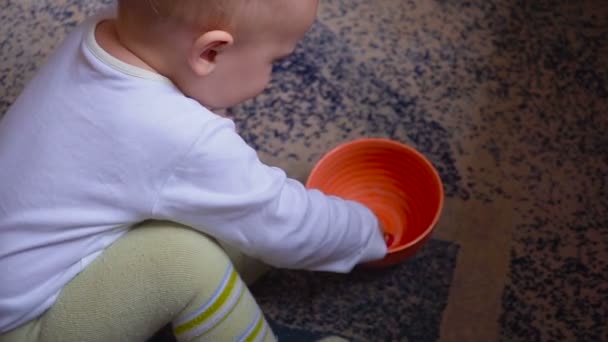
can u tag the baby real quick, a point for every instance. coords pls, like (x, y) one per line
(118, 128)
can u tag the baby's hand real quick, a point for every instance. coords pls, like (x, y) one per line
(388, 237)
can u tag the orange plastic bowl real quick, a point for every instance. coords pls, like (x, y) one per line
(395, 181)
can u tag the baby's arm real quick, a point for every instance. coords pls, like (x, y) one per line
(221, 187)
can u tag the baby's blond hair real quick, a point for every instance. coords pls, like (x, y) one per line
(197, 14)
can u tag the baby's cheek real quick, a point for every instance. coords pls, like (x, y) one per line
(265, 78)
(268, 74)
(258, 85)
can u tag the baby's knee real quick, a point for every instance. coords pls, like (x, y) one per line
(201, 253)
(186, 257)
(250, 269)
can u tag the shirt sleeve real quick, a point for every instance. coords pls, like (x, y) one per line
(221, 188)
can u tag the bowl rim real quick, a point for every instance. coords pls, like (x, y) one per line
(362, 141)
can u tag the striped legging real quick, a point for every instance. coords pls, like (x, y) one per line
(155, 274)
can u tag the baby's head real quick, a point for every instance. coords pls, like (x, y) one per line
(219, 52)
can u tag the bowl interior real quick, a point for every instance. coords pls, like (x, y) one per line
(395, 181)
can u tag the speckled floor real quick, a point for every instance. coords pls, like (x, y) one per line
(509, 99)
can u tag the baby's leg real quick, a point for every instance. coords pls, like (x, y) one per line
(156, 274)
(248, 268)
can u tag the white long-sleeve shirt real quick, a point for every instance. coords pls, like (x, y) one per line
(94, 146)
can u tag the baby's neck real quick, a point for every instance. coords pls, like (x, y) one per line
(107, 37)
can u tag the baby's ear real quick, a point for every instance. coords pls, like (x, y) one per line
(204, 50)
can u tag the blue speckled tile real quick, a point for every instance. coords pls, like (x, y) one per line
(522, 88)
(318, 100)
(507, 98)
(401, 303)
